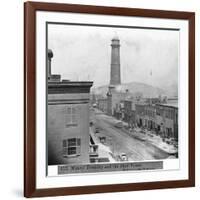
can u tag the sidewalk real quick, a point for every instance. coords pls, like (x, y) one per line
(103, 151)
(155, 140)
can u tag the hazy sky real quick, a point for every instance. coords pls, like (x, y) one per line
(84, 53)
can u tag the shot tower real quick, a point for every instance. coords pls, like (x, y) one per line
(115, 78)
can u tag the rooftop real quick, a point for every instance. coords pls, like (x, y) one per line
(169, 104)
(69, 87)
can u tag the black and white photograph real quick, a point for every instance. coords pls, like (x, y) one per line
(112, 97)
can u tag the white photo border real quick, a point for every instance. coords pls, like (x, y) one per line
(43, 181)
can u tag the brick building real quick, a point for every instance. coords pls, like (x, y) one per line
(167, 119)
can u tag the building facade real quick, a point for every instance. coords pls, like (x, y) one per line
(150, 116)
(114, 100)
(167, 120)
(139, 111)
(68, 119)
(161, 118)
(102, 104)
(68, 122)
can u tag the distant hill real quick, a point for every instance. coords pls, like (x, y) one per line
(171, 90)
(134, 88)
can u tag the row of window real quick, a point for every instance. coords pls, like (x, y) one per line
(72, 147)
(150, 113)
(168, 113)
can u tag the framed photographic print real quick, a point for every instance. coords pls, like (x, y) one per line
(109, 99)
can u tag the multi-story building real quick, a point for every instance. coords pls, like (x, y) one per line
(102, 104)
(160, 117)
(140, 113)
(152, 100)
(127, 107)
(146, 115)
(68, 121)
(150, 116)
(115, 98)
(129, 112)
(167, 119)
(118, 111)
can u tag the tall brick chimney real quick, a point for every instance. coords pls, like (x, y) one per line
(115, 78)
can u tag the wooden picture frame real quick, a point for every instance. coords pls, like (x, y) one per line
(30, 9)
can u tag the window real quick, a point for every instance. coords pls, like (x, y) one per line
(72, 116)
(158, 111)
(167, 113)
(71, 147)
(176, 118)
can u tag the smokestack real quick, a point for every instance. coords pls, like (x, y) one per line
(50, 56)
(115, 78)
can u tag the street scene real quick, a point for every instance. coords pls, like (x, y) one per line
(125, 144)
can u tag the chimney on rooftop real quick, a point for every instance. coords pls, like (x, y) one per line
(50, 56)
